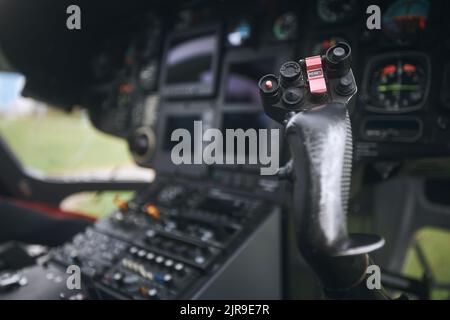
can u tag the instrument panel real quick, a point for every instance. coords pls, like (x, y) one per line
(125, 77)
(205, 59)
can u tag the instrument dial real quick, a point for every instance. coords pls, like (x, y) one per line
(398, 85)
(335, 11)
(405, 20)
(285, 27)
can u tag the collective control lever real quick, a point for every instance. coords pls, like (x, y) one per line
(310, 98)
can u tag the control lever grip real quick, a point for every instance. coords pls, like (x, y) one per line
(310, 99)
(320, 142)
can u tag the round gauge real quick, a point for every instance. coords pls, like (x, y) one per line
(398, 85)
(285, 26)
(405, 19)
(321, 47)
(239, 33)
(148, 75)
(334, 11)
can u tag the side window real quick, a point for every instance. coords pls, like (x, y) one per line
(95, 204)
(430, 250)
(58, 143)
(53, 143)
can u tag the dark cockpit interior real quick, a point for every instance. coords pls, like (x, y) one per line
(92, 93)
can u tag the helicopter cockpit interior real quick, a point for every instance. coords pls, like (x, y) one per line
(120, 156)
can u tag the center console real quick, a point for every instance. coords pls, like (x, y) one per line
(181, 240)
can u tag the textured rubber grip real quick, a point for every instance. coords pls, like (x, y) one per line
(347, 165)
(320, 141)
(321, 147)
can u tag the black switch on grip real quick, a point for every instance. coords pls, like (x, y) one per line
(346, 85)
(269, 85)
(292, 97)
(290, 72)
(338, 60)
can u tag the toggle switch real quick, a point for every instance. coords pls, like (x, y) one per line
(314, 70)
(120, 203)
(152, 211)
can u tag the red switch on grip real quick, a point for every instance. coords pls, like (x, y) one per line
(317, 84)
